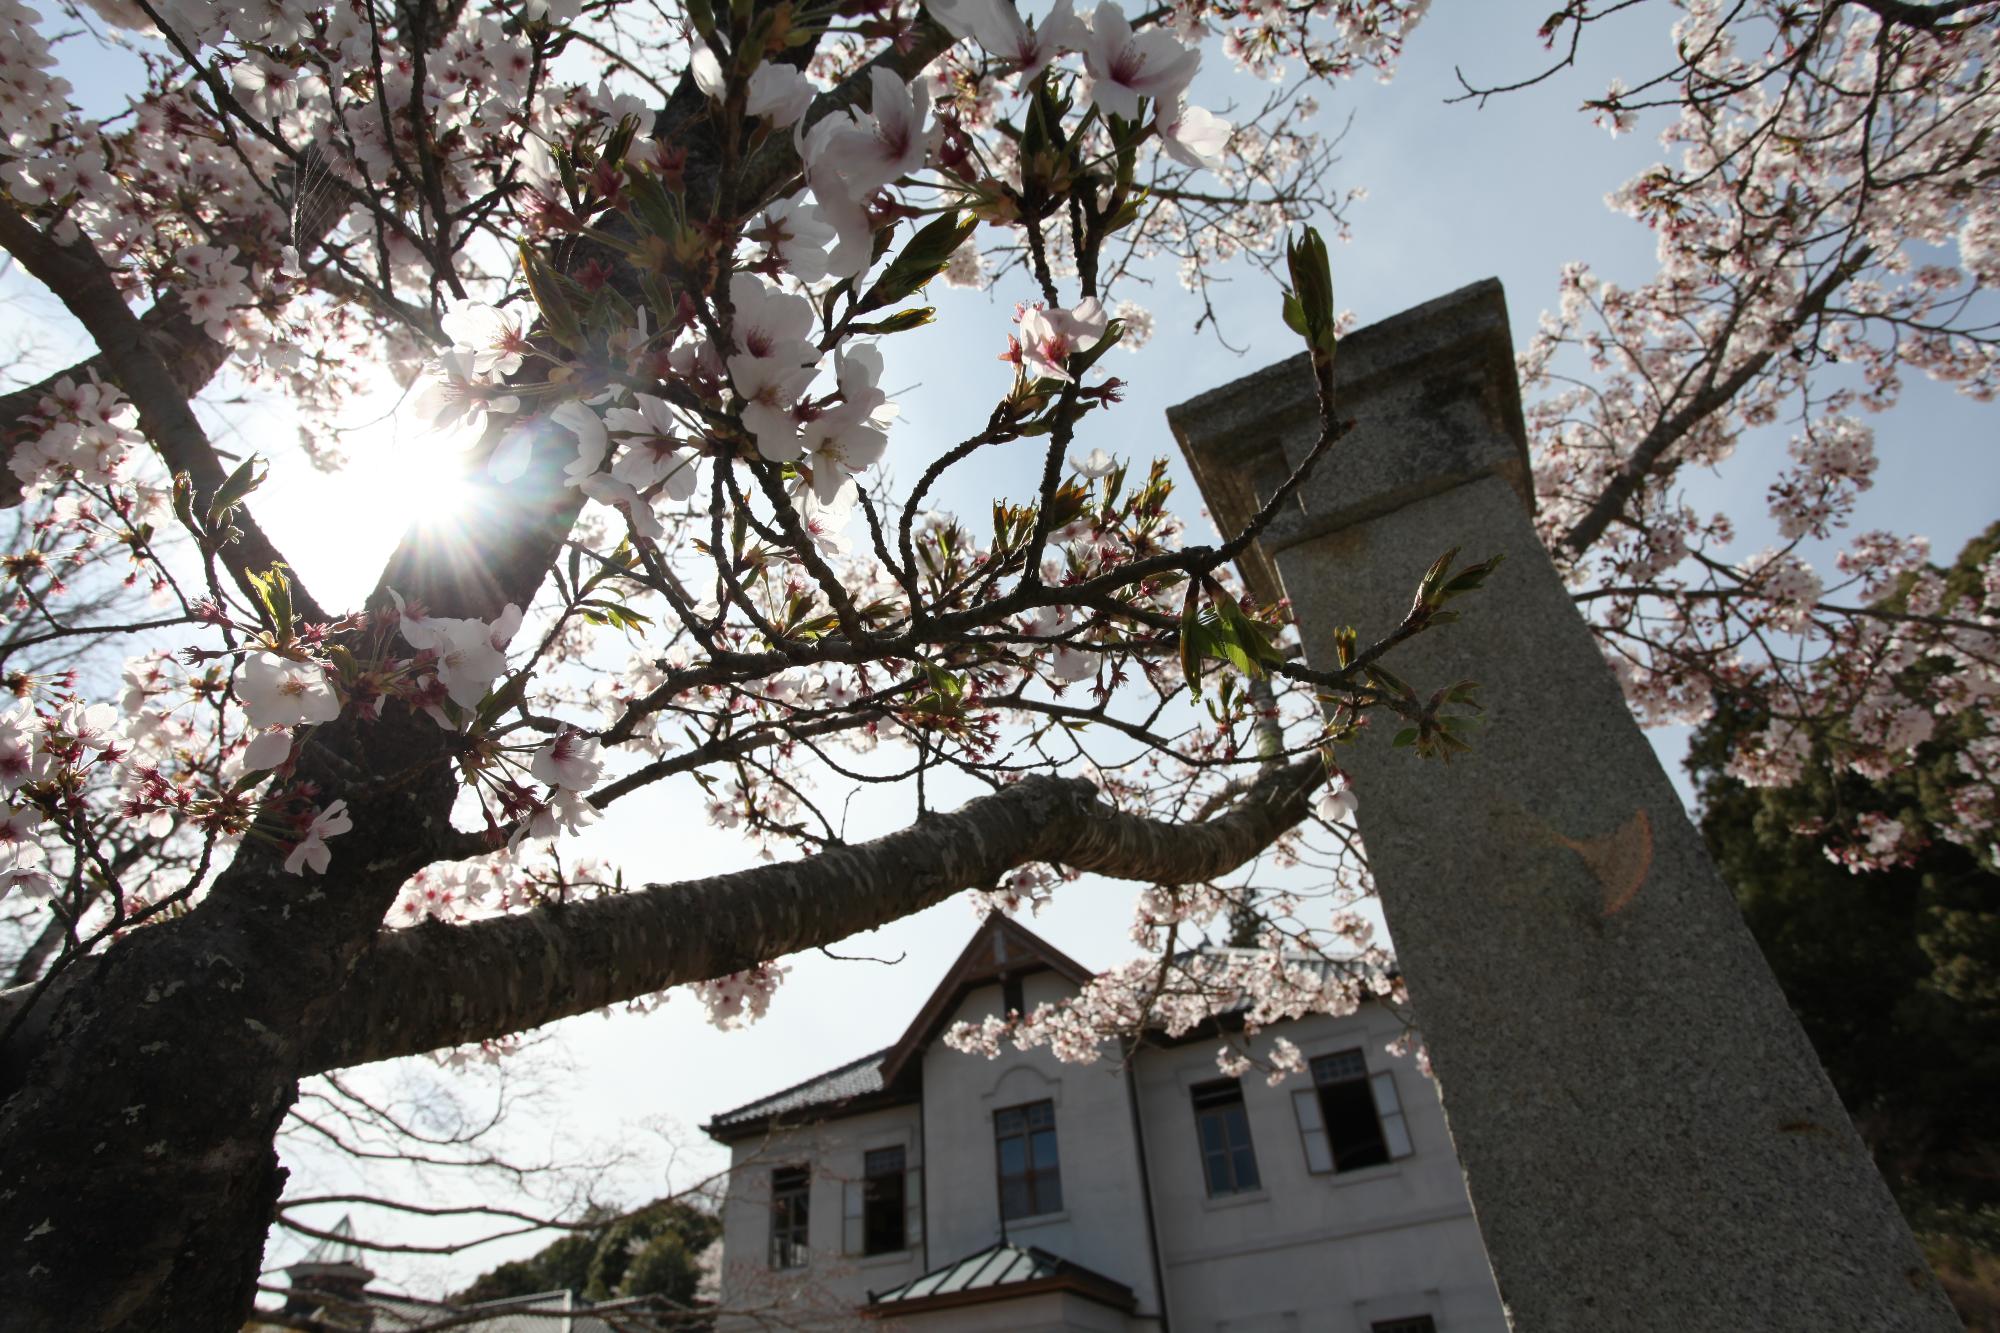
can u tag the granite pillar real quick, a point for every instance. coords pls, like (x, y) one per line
(1648, 1139)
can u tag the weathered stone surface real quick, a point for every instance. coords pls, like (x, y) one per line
(1647, 1136)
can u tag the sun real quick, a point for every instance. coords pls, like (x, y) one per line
(339, 528)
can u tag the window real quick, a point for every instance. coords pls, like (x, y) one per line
(882, 1201)
(883, 1211)
(1418, 1323)
(1223, 1131)
(1024, 1138)
(1350, 1119)
(1012, 1000)
(791, 1192)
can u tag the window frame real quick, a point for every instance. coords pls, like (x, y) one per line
(790, 1245)
(884, 1219)
(1225, 1095)
(1314, 1113)
(1042, 1185)
(1408, 1323)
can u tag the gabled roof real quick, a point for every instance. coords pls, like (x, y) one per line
(1000, 1272)
(1001, 948)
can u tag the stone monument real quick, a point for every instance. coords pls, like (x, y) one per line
(1648, 1138)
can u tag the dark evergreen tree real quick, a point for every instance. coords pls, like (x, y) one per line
(1895, 973)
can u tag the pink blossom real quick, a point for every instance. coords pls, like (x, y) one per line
(311, 850)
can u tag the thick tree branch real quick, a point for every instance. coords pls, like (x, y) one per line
(78, 275)
(435, 986)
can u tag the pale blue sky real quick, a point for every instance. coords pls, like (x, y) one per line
(1456, 194)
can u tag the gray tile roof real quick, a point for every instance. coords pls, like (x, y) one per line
(556, 1311)
(855, 1079)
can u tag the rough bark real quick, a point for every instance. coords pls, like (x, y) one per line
(418, 990)
(153, 1078)
(140, 1100)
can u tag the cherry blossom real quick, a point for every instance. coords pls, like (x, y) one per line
(23, 859)
(793, 234)
(1097, 466)
(1195, 137)
(779, 94)
(268, 750)
(570, 762)
(773, 363)
(1050, 337)
(651, 452)
(497, 339)
(1066, 664)
(282, 692)
(459, 397)
(311, 850)
(1127, 67)
(741, 998)
(998, 26)
(470, 654)
(1336, 802)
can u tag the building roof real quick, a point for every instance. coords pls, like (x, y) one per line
(1000, 1272)
(337, 1246)
(857, 1078)
(1000, 948)
(557, 1311)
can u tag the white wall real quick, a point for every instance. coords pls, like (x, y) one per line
(831, 1284)
(1330, 1252)
(1102, 1224)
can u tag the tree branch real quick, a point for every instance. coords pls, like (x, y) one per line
(1711, 397)
(436, 986)
(77, 274)
(191, 357)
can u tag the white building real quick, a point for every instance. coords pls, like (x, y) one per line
(949, 1192)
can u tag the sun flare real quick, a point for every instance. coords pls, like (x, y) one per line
(399, 475)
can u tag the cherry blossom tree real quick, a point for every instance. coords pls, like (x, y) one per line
(646, 263)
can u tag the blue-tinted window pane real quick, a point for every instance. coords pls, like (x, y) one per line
(1246, 1168)
(1222, 1128)
(1025, 1145)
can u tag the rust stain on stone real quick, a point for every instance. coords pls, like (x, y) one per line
(1619, 860)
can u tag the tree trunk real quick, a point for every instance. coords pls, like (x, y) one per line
(140, 1099)
(137, 1167)
(139, 1174)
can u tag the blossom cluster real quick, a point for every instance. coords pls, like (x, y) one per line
(1819, 238)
